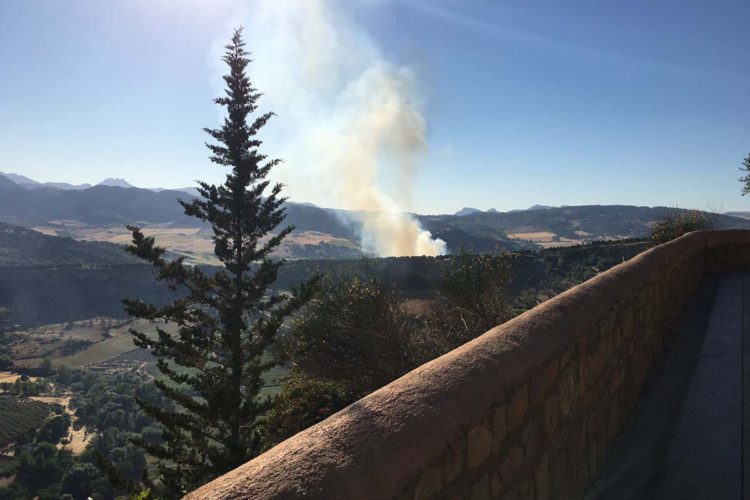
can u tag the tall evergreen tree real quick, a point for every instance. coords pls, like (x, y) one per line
(745, 179)
(213, 366)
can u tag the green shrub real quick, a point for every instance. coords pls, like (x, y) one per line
(676, 223)
(54, 428)
(472, 298)
(355, 332)
(302, 403)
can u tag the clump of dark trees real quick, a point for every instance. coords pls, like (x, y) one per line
(358, 334)
(677, 223)
(111, 465)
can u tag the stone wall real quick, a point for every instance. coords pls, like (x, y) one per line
(527, 410)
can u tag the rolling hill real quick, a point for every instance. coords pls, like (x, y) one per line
(552, 226)
(20, 246)
(45, 279)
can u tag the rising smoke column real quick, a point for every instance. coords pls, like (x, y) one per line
(348, 117)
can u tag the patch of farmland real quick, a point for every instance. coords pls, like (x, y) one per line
(79, 344)
(19, 416)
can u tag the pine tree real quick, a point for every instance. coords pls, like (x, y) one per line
(745, 179)
(213, 366)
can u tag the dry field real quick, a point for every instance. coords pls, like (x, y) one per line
(191, 242)
(9, 378)
(195, 244)
(545, 239)
(78, 344)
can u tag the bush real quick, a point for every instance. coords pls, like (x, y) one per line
(54, 428)
(151, 435)
(357, 333)
(79, 480)
(303, 402)
(677, 223)
(42, 466)
(472, 298)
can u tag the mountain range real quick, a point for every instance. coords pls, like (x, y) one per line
(112, 202)
(27, 183)
(100, 213)
(471, 211)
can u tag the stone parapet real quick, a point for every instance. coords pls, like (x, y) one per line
(527, 410)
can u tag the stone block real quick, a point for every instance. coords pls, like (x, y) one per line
(607, 322)
(541, 383)
(519, 405)
(429, 485)
(568, 390)
(453, 462)
(526, 489)
(510, 464)
(551, 415)
(617, 379)
(533, 441)
(479, 444)
(481, 489)
(499, 427)
(541, 479)
(567, 355)
(496, 486)
(615, 420)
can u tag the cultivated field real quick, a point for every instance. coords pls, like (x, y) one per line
(193, 243)
(546, 239)
(9, 378)
(78, 344)
(20, 415)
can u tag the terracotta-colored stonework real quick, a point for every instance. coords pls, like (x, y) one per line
(527, 410)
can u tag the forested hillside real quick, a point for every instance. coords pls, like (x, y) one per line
(49, 278)
(20, 246)
(542, 273)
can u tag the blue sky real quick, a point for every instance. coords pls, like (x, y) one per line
(548, 102)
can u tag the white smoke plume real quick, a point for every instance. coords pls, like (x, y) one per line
(348, 118)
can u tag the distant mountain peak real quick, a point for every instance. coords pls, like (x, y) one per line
(7, 182)
(18, 179)
(116, 182)
(467, 211)
(27, 183)
(540, 207)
